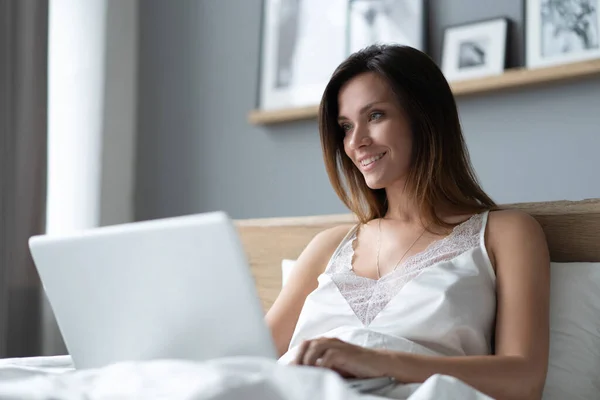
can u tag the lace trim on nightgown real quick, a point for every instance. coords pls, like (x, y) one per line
(367, 297)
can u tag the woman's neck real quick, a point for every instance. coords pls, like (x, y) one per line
(401, 206)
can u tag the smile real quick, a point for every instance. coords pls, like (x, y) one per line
(368, 162)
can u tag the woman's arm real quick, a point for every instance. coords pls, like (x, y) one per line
(518, 369)
(501, 377)
(283, 314)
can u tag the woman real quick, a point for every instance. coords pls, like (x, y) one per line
(434, 279)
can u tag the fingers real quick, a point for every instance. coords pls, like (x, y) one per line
(301, 351)
(335, 360)
(331, 359)
(311, 351)
(314, 351)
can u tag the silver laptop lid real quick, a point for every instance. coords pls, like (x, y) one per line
(172, 288)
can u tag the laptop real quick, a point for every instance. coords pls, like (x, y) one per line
(173, 288)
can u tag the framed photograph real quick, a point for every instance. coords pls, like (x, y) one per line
(475, 50)
(386, 21)
(561, 31)
(303, 41)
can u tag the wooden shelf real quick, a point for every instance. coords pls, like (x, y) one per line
(258, 117)
(511, 79)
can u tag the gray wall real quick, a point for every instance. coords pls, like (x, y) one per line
(196, 152)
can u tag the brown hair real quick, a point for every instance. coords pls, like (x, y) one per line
(441, 172)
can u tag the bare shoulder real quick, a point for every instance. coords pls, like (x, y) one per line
(325, 242)
(316, 254)
(511, 232)
(331, 236)
(513, 221)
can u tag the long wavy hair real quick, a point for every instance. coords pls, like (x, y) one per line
(441, 172)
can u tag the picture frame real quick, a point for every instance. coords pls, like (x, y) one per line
(302, 42)
(386, 22)
(561, 31)
(475, 49)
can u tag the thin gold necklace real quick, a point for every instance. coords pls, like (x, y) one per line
(403, 255)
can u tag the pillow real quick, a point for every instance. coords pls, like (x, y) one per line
(286, 268)
(574, 332)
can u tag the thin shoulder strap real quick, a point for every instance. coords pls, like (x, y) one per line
(484, 220)
(348, 235)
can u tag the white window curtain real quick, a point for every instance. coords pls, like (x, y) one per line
(92, 73)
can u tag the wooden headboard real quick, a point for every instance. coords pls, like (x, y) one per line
(572, 229)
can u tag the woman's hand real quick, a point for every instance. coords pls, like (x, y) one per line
(348, 360)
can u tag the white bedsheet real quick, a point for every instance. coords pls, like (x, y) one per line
(236, 378)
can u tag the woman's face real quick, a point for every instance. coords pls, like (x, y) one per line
(377, 137)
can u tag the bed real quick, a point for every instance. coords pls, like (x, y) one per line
(573, 232)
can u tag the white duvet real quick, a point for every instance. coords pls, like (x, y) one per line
(236, 378)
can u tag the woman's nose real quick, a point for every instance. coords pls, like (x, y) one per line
(360, 137)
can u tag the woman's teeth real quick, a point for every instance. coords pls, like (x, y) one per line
(371, 160)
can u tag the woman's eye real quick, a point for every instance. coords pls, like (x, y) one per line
(346, 127)
(375, 116)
